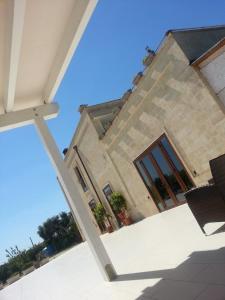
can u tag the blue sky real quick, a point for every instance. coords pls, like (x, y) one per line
(108, 57)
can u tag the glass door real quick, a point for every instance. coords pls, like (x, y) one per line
(163, 174)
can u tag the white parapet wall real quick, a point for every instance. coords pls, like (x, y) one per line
(163, 257)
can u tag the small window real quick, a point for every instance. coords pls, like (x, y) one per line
(92, 204)
(81, 179)
(107, 192)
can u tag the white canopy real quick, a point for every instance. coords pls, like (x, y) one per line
(37, 41)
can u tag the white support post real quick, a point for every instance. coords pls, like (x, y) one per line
(75, 201)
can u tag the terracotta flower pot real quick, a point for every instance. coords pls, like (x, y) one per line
(127, 221)
(108, 226)
(110, 229)
(137, 78)
(149, 57)
(124, 218)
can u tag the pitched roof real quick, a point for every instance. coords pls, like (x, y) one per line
(196, 41)
(212, 53)
(100, 109)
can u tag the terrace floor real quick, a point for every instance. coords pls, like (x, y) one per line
(164, 257)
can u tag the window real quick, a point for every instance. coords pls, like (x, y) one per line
(92, 204)
(164, 174)
(107, 192)
(81, 179)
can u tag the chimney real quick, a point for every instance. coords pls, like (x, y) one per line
(82, 107)
(65, 151)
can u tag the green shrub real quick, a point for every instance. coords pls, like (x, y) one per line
(4, 273)
(118, 202)
(99, 213)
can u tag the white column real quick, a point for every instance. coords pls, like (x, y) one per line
(75, 201)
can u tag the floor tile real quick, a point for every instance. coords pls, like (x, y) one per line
(213, 292)
(175, 290)
(163, 257)
(214, 273)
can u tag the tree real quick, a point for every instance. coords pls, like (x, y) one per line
(19, 260)
(59, 232)
(4, 273)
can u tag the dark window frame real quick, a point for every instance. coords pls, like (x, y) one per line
(146, 152)
(81, 179)
(174, 150)
(105, 194)
(92, 204)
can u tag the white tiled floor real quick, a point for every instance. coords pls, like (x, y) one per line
(164, 257)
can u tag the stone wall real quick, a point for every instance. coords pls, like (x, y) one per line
(97, 163)
(171, 98)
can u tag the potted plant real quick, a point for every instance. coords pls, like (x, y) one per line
(119, 206)
(101, 217)
(126, 95)
(137, 78)
(149, 57)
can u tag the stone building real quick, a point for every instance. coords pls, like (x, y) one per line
(155, 142)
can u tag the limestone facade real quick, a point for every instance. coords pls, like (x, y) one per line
(173, 98)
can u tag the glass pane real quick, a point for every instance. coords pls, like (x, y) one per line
(149, 185)
(92, 204)
(180, 197)
(108, 192)
(167, 172)
(81, 179)
(157, 182)
(176, 162)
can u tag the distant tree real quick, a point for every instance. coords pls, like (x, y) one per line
(16, 259)
(60, 232)
(65, 219)
(4, 272)
(49, 230)
(33, 252)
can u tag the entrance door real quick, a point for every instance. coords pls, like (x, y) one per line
(163, 174)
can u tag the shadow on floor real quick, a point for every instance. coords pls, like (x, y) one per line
(200, 277)
(219, 230)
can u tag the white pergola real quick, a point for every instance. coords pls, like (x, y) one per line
(37, 41)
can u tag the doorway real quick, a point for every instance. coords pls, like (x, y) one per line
(164, 174)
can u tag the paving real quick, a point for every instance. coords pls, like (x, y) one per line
(163, 257)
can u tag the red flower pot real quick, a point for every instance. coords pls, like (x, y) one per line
(124, 218)
(110, 229)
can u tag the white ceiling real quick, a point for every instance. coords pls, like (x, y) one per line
(37, 41)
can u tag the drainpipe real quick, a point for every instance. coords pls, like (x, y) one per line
(92, 184)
